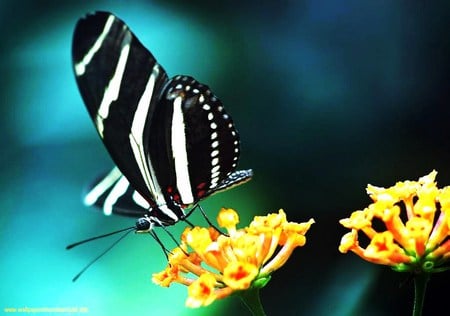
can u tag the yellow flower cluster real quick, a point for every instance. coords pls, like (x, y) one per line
(215, 265)
(407, 226)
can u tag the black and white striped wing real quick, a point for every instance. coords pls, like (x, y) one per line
(120, 83)
(172, 140)
(204, 144)
(232, 180)
(112, 193)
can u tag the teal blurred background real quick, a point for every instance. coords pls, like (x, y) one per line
(327, 95)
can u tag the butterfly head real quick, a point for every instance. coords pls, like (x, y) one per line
(144, 224)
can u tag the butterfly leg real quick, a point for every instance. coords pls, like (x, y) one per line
(208, 220)
(163, 248)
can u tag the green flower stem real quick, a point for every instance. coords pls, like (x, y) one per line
(251, 299)
(420, 286)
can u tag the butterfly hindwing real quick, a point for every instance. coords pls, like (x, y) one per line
(203, 141)
(112, 193)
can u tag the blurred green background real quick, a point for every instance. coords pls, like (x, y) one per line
(327, 95)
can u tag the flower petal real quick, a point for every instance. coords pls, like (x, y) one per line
(239, 275)
(201, 292)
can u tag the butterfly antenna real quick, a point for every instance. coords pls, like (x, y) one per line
(98, 237)
(130, 229)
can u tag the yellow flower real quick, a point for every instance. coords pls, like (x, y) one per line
(407, 226)
(201, 292)
(215, 265)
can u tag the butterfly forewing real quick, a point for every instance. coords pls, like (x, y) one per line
(120, 82)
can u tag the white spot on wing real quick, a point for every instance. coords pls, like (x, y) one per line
(215, 170)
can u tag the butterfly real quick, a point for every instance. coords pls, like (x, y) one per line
(171, 139)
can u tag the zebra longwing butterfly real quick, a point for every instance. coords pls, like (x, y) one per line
(171, 139)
